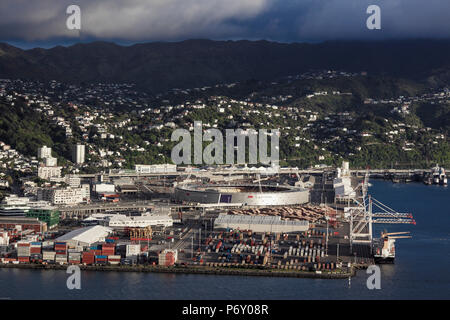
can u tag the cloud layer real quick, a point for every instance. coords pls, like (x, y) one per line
(281, 20)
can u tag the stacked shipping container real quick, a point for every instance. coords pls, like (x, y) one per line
(48, 256)
(23, 251)
(101, 259)
(108, 249)
(74, 257)
(167, 257)
(88, 257)
(114, 259)
(61, 252)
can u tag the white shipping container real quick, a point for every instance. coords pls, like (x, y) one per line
(133, 250)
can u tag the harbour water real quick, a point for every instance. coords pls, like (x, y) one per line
(421, 271)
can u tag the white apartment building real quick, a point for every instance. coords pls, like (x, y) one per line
(49, 172)
(50, 162)
(44, 152)
(68, 195)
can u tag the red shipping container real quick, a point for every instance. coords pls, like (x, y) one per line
(23, 244)
(35, 250)
(23, 259)
(88, 259)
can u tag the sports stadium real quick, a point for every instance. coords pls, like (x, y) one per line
(246, 195)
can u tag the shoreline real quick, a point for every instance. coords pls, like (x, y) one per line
(195, 270)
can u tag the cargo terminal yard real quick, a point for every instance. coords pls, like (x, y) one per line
(271, 224)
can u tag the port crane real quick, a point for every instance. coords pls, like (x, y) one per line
(395, 235)
(367, 211)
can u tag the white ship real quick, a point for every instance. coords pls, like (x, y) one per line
(437, 176)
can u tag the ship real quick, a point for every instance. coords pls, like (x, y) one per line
(442, 177)
(384, 247)
(437, 176)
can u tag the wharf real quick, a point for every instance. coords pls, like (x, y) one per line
(234, 271)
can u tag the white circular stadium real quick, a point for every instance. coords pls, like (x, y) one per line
(247, 195)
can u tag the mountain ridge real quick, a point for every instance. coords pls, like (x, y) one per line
(159, 66)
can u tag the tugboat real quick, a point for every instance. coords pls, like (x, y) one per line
(384, 247)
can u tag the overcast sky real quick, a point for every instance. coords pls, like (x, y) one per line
(30, 23)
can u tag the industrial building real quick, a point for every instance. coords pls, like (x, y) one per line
(16, 206)
(259, 223)
(103, 187)
(246, 195)
(22, 223)
(47, 215)
(86, 236)
(117, 221)
(143, 221)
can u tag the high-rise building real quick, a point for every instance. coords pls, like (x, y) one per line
(44, 152)
(78, 153)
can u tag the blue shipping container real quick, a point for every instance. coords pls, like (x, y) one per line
(101, 257)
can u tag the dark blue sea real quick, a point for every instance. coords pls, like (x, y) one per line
(421, 271)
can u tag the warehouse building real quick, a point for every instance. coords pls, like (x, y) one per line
(86, 236)
(259, 223)
(143, 221)
(22, 223)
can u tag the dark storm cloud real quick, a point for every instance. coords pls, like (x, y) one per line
(281, 20)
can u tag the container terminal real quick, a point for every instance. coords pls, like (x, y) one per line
(254, 223)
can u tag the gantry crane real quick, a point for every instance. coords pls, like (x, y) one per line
(362, 216)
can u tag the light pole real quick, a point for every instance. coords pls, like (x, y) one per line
(192, 246)
(326, 245)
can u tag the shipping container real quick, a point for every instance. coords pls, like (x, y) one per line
(23, 259)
